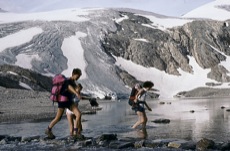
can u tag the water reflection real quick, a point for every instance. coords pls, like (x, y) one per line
(208, 120)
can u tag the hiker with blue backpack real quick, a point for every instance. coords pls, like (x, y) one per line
(138, 103)
(62, 92)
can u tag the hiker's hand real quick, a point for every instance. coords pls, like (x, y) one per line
(79, 96)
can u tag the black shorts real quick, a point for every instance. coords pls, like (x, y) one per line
(136, 107)
(64, 105)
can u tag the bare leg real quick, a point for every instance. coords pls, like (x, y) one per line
(77, 113)
(145, 119)
(53, 122)
(70, 121)
(57, 117)
(79, 127)
(141, 119)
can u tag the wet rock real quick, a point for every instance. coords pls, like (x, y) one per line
(30, 138)
(183, 144)
(3, 142)
(81, 143)
(56, 142)
(76, 146)
(88, 142)
(108, 142)
(176, 144)
(127, 139)
(222, 107)
(151, 144)
(89, 112)
(3, 137)
(104, 143)
(105, 139)
(161, 121)
(192, 111)
(190, 145)
(14, 139)
(108, 137)
(120, 145)
(225, 146)
(163, 142)
(204, 144)
(139, 144)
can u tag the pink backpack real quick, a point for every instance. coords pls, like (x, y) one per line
(58, 82)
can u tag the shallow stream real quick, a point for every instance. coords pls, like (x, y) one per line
(208, 120)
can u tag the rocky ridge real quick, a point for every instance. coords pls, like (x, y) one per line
(169, 50)
(207, 41)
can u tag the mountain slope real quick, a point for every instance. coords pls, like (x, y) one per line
(117, 48)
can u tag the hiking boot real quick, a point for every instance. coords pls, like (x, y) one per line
(71, 138)
(79, 137)
(49, 134)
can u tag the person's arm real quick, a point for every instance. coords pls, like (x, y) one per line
(137, 95)
(72, 90)
(147, 106)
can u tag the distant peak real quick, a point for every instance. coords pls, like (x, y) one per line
(2, 11)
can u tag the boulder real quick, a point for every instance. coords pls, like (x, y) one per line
(205, 144)
(183, 144)
(120, 145)
(161, 121)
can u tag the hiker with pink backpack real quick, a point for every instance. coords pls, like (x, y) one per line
(62, 93)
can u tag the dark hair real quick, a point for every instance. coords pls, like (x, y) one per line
(148, 84)
(79, 85)
(76, 71)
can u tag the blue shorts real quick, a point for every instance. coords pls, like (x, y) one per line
(136, 106)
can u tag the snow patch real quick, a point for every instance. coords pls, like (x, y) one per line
(142, 40)
(25, 86)
(224, 63)
(19, 38)
(11, 72)
(211, 11)
(24, 60)
(58, 15)
(73, 50)
(168, 85)
(164, 23)
(124, 17)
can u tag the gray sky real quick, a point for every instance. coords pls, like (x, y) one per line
(164, 7)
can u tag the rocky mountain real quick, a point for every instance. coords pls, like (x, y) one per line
(205, 40)
(2, 11)
(134, 37)
(20, 78)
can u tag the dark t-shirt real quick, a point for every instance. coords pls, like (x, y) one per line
(64, 90)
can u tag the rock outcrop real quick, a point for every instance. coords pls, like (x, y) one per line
(168, 50)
